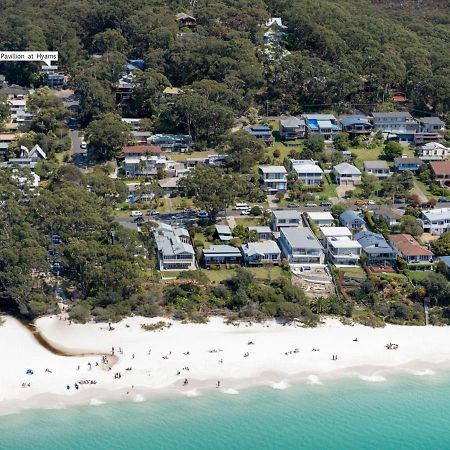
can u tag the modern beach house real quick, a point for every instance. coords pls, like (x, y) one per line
(273, 178)
(300, 246)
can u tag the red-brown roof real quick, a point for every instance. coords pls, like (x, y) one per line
(408, 246)
(440, 167)
(141, 149)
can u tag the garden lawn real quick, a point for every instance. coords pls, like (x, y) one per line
(262, 273)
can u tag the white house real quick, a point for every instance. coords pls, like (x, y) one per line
(300, 246)
(378, 168)
(436, 221)
(434, 151)
(175, 251)
(308, 172)
(273, 178)
(285, 218)
(346, 174)
(339, 245)
(221, 254)
(263, 233)
(261, 253)
(321, 219)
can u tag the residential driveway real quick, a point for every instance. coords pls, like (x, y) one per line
(422, 197)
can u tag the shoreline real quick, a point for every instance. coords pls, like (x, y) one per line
(422, 351)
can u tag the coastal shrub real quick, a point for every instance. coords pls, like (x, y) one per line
(370, 320)
(80, 313)
(155, 326)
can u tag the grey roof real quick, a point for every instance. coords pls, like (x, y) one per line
(386, 211)
(223, 229)
(432, 120)
(221, 250)
(292, 122)
(398, 114)
(373, 243)
(349, 216)
(346, 168)
(260, 248)
(354, 120)
(398, 161)
(379, 164)
(169, 242)
(286, 214)
(272, 169)
(301, 237)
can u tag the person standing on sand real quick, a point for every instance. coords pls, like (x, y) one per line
(218, 383)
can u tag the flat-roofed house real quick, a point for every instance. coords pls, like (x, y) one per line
(175, 251)
(376, 249)
(325, 125)
(346, 174)
(440, 172)
(308, 172)
(339, 245)
(378, 168)
(321, 219)
(221, 255)
(434, 151)
(261, 253)
(410, 250)
(292, 128)
(300, 246)
(262, 233)
(394, 122)
(327, 232)
(436, 221)
(285, 218)
(273, 178)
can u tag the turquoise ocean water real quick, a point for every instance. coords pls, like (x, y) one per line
(405, 412)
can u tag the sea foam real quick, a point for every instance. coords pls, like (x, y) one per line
(192, 393)
(230, 391)
(95, 402)
(138, 398)
(313, 379)
(283, 384)
(424, 373)
(372, 378)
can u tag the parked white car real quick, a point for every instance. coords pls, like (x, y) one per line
(136, 213)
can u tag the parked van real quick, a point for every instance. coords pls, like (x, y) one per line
(136, 213)
(241, 206)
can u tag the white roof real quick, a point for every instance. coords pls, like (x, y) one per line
(433, 146)
(307, 168)
(437, 214)
(320, 216)
(344, 243)
(324, 124)
(335, 231)
(347, 168)
(273, 169)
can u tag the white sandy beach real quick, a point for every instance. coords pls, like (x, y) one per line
(421, 351)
